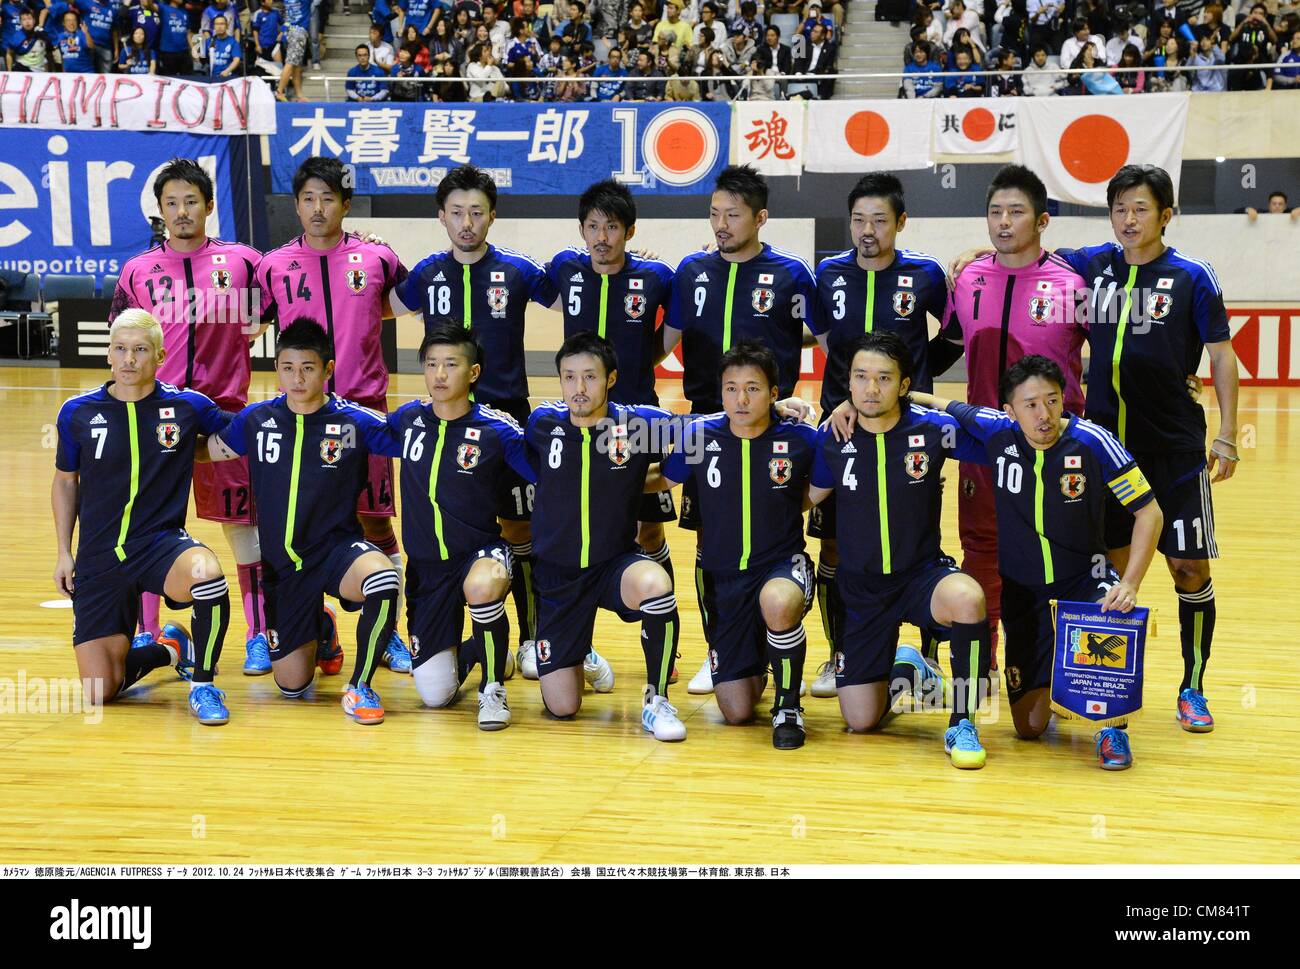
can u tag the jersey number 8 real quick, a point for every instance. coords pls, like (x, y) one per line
(557, 452)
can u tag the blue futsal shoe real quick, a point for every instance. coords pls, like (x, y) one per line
(1112, 748)
(142, 639)
(177, 640)
(962, 744)
(208, 704)
(1194, 712)
(257, 656)
(929, 682)
(396, 656)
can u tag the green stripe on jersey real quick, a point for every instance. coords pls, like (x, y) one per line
(585, 505)
(871, 300)
(886, 559)
(299, 433)
(465, 291)
(1119, 350)
(726, 306)
(134, 436)
(604, 308)
(433, 490)
(745, 521)
(1049, 573)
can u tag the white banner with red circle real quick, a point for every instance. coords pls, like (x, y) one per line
(1076, 147)
(976, 126)
(866, 136)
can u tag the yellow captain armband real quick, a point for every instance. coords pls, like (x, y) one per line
(1129, 486)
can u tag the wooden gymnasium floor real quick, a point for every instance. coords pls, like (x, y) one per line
(297, 782)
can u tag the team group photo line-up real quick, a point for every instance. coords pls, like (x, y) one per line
(1067, 491)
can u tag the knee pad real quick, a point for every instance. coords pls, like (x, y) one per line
(436, 679)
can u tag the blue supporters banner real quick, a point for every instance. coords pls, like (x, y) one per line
(530, 149)
(79, 202)
(1097, 663)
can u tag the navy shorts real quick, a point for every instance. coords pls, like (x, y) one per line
(821, 518)
(1181, 484)
(1030, 633)
(107, 603)
(514, 494)
(294, 600)
(872, 607)
(569, 598)
(435, 600)
(736, 631)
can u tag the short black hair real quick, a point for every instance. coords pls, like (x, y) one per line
(744, 182)
(331, 171)
(586, 341)
(1034, 365)
(182, 170)
(1024, 179)
(1135, 176)
(364, 47)
(444, 331)
(1078, 24)
(467, 178)
(610, 197)
(751, 353)
(879, 185)
(304, 333)
(887, 344)
(1273, 195)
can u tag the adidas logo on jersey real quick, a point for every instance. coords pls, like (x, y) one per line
(848, 449)
(269, 422)
(1107, 272)
(440, 278)
(418, 422)
(1011, 450)
(979, 281)
(157, 268)
(557, 432)
(98, 419)
(702, 278)
(576, 278)
(714, 446)
(292, 266)
(839, 281)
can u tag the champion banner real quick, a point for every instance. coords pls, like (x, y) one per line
(769, 135)
(1076, 147)
(1097, 663)
(136, 102)
(80, 202)
(539, 149)
(976, 126)
(869, 136)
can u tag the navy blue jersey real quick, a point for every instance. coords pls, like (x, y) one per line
(590, 480)
(750, 490)
(888, 491)
(1051, 504)
(622, 308)
(135, 460)
(716, 304)
(491, 295)
(1148, 327)
(852, 301)
(307, 471)
(452, 472)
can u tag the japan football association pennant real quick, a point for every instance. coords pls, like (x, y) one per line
(1097, 662)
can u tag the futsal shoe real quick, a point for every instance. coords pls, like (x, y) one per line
(493, 711)
(176, 640)
(329, 654)
(528, 659)
(142, 639)
(509, 671)
(824, 685)
(962, 744)
(1113, 749)
(208, 704)
(659, 717)
(257, 656)
(396, 656)
(787, 729)
(362, 704)
(1194, 712)
(702, 682)
(598, 672)
(928, 682)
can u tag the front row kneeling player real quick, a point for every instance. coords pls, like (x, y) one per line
(123, 470)
(308, 456)
(1048, 466)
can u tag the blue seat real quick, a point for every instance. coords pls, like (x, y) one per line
(57, 287)
(108, 286)
(786, 23)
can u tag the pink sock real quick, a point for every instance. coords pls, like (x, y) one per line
(250, 590)
(150, 607)
(388, 545)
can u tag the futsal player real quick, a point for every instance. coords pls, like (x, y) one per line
(122, 476)
(454, 453)
(592, 458)
(1153, 311)
(201, 291)
(1052, 472)
(342, 280)
(745, 290)
(873, 287)
(487, 287)
(309, 458)
(886, 481)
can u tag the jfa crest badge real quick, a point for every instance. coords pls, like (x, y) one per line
(634, 303)
(904, 303)
(331, 449)
(1040, 308)
(1159, 305)
(356, 279)
(221, 279)
(780, 470)
(498, 297)
(1073, 484)
(839, 663)
(762, 299)
(169, 435)
(620, 449)
(916, 463)
(467, 456)
(543, 651)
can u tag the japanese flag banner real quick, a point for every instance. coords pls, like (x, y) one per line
(1076, 149)
(976, 126)
(866, 136)
(769, 136)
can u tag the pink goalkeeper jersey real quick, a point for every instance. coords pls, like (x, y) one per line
(1004, 314)
(345, 289)
(204, 301)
